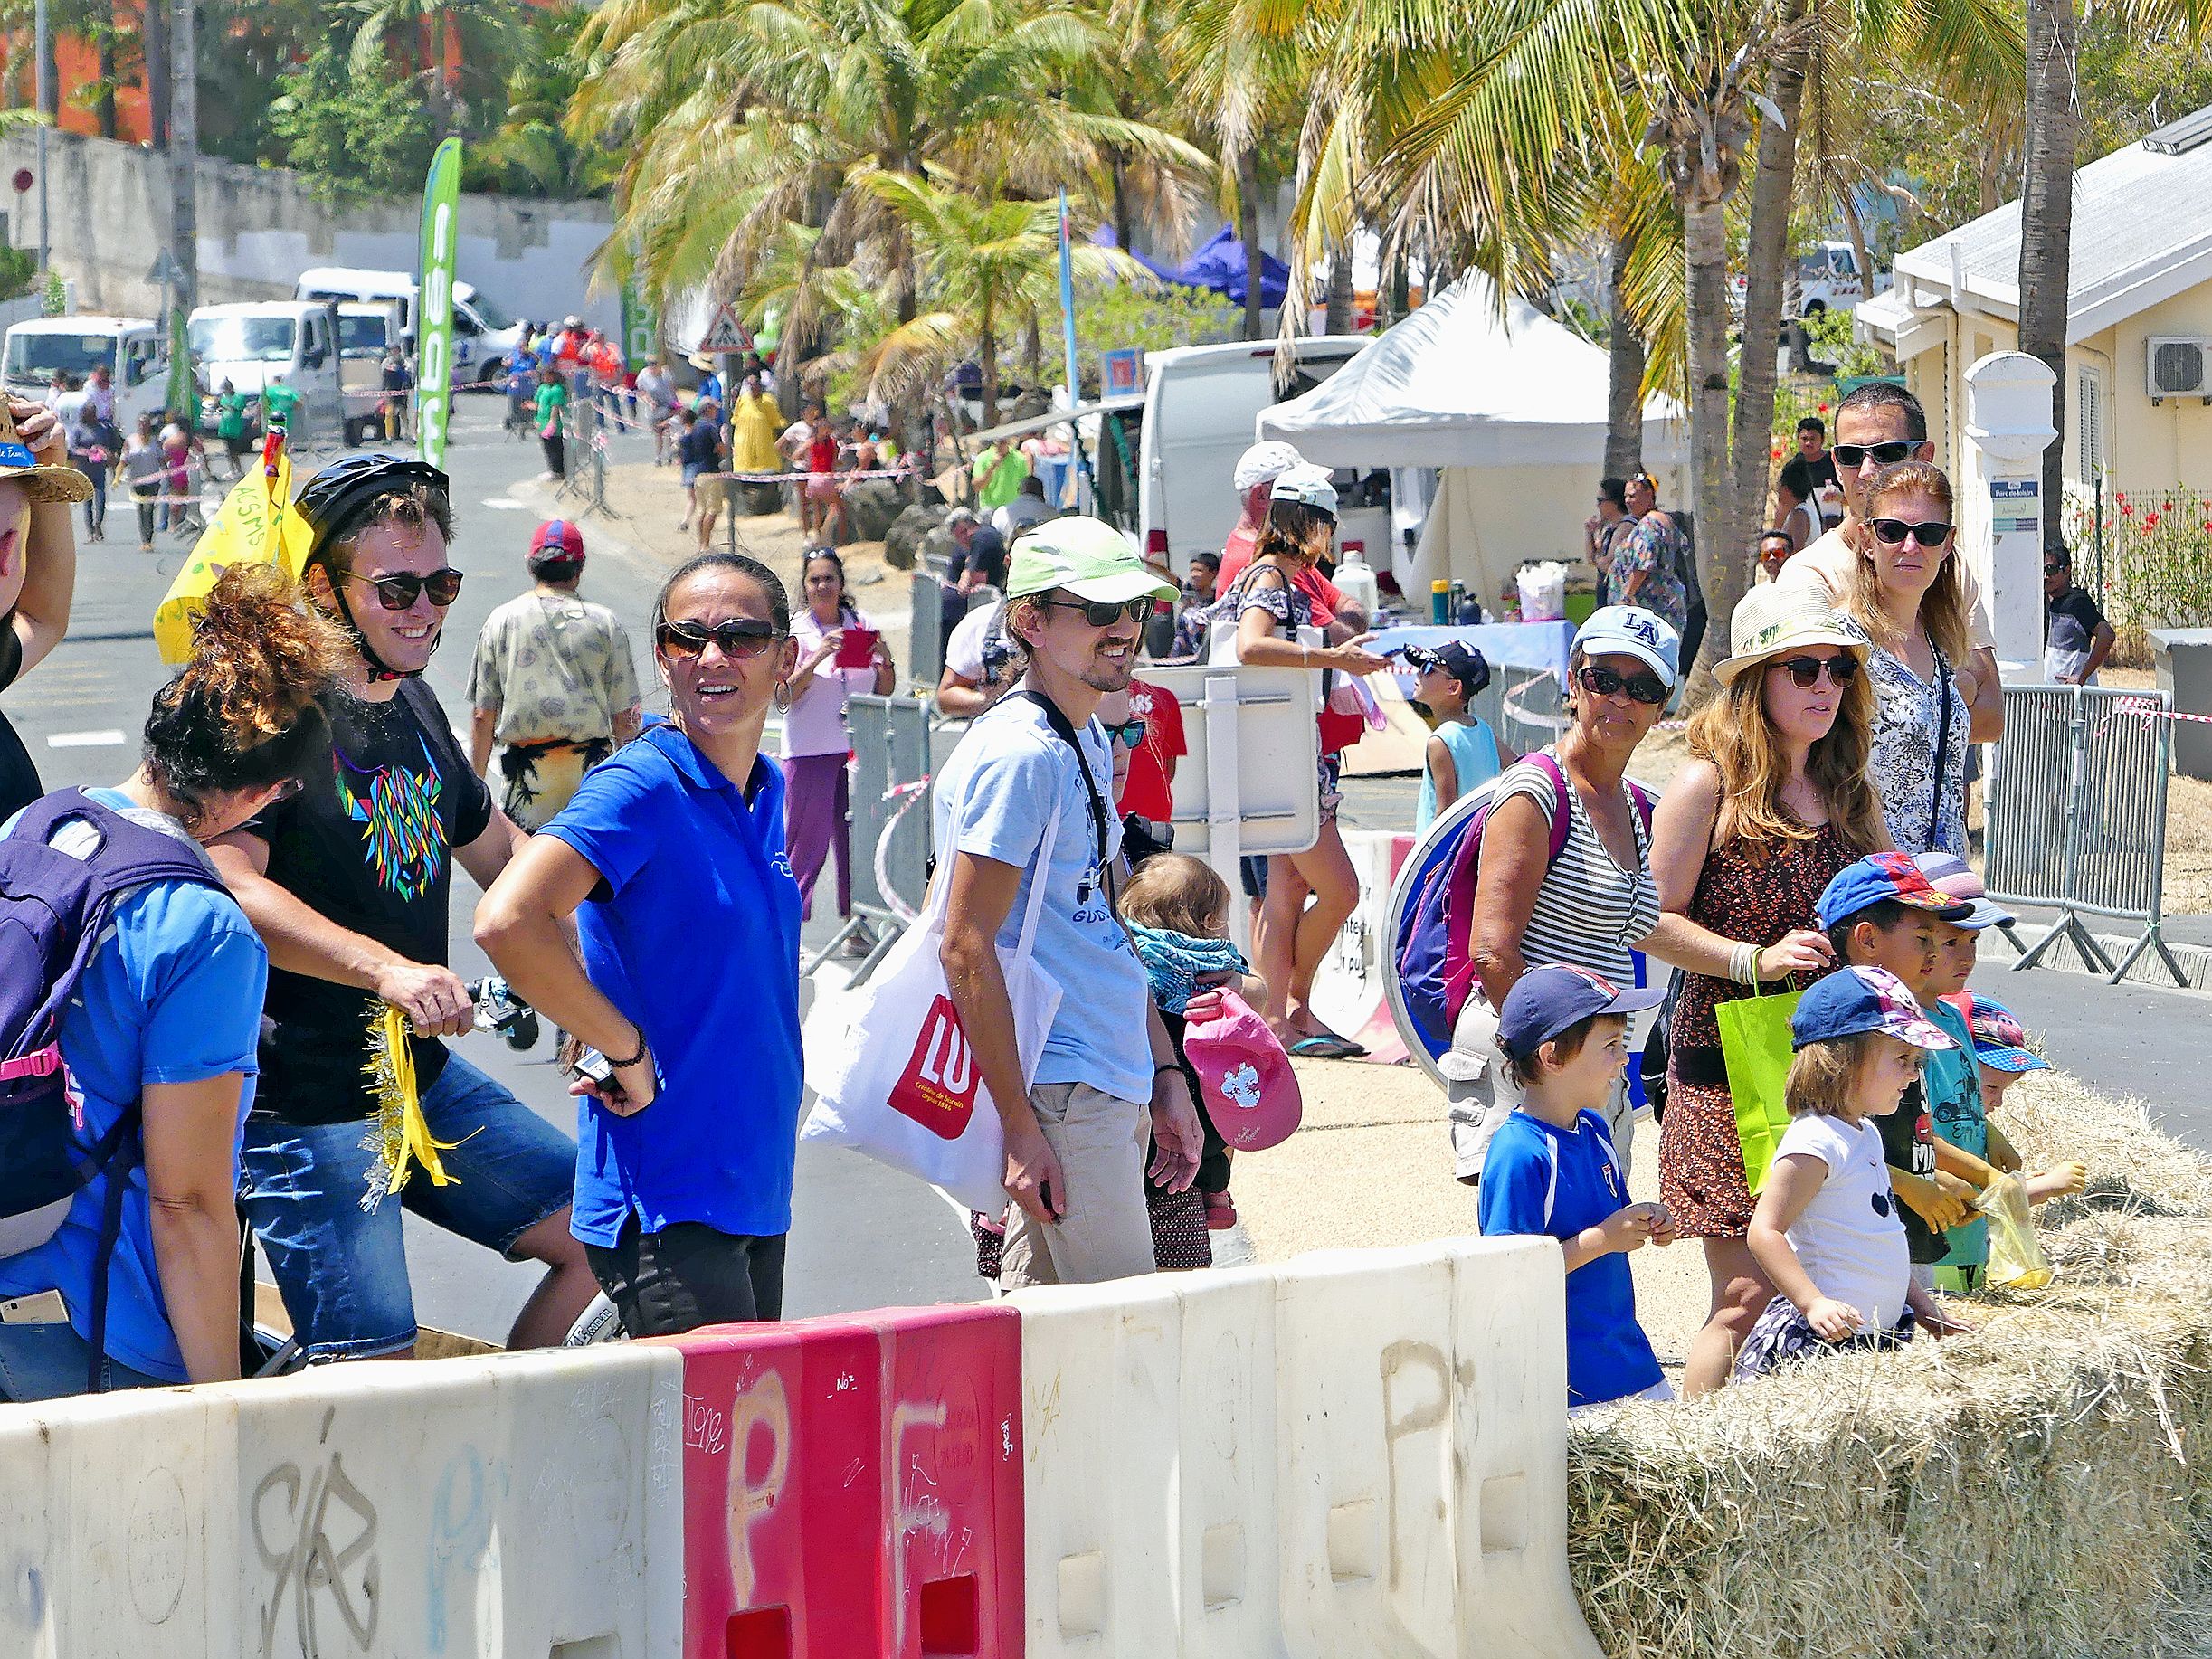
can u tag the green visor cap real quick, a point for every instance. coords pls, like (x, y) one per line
(1086, 557)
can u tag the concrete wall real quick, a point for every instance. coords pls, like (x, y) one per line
(109, 213)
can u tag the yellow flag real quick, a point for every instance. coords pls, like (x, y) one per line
(254, 524)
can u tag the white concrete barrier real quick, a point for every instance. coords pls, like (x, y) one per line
(1353, 1452)
(521, 1504)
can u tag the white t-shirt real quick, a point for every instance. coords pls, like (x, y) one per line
(963, 651)
(1825, 566)
(1850, 1239)
(815, 722)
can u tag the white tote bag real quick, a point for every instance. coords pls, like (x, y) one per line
(893, 1073)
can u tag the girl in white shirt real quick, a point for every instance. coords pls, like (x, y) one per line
(1827, 1231)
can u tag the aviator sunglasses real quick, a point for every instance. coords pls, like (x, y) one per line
(737, 641)
(398, 592)
(1804, 671)
(1850, 456)
(1643, 688)
(1892, 532)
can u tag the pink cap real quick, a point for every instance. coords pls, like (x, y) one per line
(1244, 1076)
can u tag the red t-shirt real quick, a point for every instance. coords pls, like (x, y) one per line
(821, 453)
(1236, 553)
(1147, 790)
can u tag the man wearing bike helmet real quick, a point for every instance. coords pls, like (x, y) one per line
(347, 884)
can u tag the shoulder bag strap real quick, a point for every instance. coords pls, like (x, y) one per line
(1942, 743)
(1065, 730)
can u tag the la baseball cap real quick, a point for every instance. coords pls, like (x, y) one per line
(1630, 628)
(1455, 657)
(1263, 463)
(1955, 878)
(1308, 485)
(1885, 876)
(563, 538)
(1866, 999)
(1999, 1038)
(1088, 557)
(1544, 1001)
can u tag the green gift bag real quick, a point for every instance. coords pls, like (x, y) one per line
(1755, 1046)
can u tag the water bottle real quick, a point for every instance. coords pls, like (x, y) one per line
(1440, 601)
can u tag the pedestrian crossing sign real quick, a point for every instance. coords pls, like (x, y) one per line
(726, 333)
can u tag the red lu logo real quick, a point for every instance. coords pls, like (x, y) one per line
(937, 1087)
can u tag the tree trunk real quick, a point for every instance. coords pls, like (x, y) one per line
(154, 57)
(105, 49)
(1247, 232)
(1721, 567)
(1765, 260)
(185, 111)
(1400, 290)
(1624, 393)
(987, 355)
(2046, 217)
(1339, 318)
(1124, 227)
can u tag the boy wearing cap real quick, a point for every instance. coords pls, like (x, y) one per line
(1025, 800)
(1882, 913)
(1463, 751)
(554, 682)
(1550, 1171)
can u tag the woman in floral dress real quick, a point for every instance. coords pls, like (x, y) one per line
(1774, 801)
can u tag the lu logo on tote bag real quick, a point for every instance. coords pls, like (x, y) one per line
(893, 1072)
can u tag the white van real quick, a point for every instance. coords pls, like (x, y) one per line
(482, 332)
(133, 350)
(248, 342)
(366, 330)
(1200, 406)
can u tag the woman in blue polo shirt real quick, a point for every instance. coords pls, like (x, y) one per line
(670, 858)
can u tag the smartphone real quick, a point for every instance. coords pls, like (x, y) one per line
(591, 1066)
(46, 1308)
(857, 647)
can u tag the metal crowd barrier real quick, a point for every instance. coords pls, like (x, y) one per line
(925, 643)
(890, 748)
(1524, 706)
(2075, 817)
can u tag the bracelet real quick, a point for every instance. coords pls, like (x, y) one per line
(634, 1058)
(1167, 1066)
(1743, 964)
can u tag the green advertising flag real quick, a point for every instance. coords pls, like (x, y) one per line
(434, 361)
(640, 326)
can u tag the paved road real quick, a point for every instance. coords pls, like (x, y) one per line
(861, 1238)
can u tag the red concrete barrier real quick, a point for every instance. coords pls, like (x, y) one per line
(852, 1487)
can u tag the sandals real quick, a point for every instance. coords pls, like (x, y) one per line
(1327, 1046)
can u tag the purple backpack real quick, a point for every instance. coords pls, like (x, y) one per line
(55, 908)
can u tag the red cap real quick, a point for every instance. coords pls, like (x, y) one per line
(559, 536)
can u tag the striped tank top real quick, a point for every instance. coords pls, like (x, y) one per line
(1589, 910)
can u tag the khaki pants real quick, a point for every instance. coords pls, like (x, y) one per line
(1105, 1233)
(1480, 1093)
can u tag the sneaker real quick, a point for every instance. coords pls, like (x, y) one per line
(1220, 1213)
(858, 944)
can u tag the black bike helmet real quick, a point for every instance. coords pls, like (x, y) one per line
(334, 499)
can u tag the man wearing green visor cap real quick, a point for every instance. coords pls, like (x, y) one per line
(1027, 799)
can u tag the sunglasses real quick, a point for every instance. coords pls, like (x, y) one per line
(1101, 613)
(2054, 570)
(1804, 671)
(1850, 456)
(287, 789)
(399, 593)
(1129, 733)
(1643, 688)
(685, 641)
(1892, 532)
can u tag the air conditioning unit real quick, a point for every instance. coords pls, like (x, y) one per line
(2180, 365)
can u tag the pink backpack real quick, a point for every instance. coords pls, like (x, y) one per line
(1244, 1076)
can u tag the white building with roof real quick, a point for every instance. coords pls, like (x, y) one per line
(2139, 317)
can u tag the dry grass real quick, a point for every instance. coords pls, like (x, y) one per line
(2031, 1489)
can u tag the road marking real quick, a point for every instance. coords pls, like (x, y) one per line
(85, 740)
(506, 503)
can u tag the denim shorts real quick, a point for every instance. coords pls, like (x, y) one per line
(342, 1269)
(48, 1362)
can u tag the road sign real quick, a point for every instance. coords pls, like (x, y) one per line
(1121, 372)
(726, 334)
(166, 272)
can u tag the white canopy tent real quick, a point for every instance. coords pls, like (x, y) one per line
(1508, 405)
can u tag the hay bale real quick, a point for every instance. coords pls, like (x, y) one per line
(2038, 1487)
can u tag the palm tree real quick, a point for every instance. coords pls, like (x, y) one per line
(449, 46)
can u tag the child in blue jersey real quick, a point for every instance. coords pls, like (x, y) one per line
(1463, 753)
(1551, 1171)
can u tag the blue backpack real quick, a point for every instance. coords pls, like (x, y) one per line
(55, 909)
(1434, 949)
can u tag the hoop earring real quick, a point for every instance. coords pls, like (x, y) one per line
(782, 700)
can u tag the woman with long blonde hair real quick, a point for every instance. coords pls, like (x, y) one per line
(1774, 801)
(1909, 594)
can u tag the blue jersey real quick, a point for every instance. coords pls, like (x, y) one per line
(1551, 1182)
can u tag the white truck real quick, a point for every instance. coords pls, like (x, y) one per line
(483, 333)
(1826, 277)
(249, 342)
(1201, 402)
(132, 349)
(366, 330)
